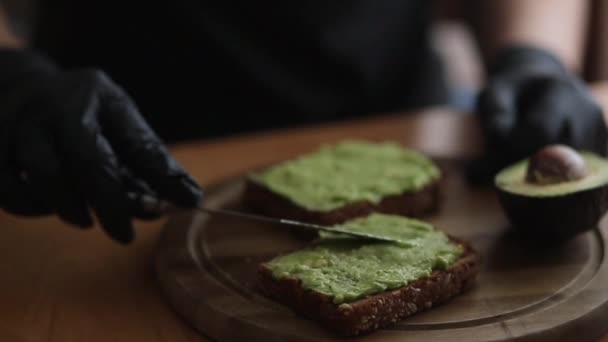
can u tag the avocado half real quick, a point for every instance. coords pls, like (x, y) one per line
(555, 211)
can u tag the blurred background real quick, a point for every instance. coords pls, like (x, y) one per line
(454, 41)
(452, 37)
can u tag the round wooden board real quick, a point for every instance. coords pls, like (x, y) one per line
(207, 268)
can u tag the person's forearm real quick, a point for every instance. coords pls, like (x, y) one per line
(7, 38)
(559, 26)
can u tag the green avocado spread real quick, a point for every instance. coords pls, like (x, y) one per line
(348, 269)
(513, 179)
(347, 172)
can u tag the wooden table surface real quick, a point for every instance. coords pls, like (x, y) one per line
(63, 284)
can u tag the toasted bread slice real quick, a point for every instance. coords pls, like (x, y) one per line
(414, 204)
(401, 181)
(376, 311)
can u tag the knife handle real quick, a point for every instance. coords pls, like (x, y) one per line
(150, 204)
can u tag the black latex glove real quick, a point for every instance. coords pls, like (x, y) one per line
(74, 140)
(531, 100)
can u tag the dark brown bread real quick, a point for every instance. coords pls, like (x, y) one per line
(415, 204)
(376, 311)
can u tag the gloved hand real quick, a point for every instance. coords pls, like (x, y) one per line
(531, 100)
(74, 140)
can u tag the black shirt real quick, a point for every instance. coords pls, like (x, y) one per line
(201, 68)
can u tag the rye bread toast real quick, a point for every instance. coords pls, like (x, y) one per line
(372, 312)
(414, 204)
(376, 311)
(420, 194)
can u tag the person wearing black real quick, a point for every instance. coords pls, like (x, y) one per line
(87, 104)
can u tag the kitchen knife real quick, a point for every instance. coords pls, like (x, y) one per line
(153, 205)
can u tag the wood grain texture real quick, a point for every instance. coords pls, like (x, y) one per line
(63, 284)
(525, 290)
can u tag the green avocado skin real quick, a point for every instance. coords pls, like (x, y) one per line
(347, 269)
(556, 218)
(348, 172)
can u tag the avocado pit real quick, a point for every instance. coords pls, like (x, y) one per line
(556, 164)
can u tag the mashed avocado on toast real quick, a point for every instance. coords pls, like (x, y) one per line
(350, 171)
(348, 269)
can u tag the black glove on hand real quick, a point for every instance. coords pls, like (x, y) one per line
(70, 140)
(531, 100)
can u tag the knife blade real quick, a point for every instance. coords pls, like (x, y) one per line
(154, 205)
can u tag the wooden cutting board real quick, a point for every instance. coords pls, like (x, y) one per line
(206, 266)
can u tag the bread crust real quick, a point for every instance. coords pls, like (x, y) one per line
(414, 204)
(376, 311)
